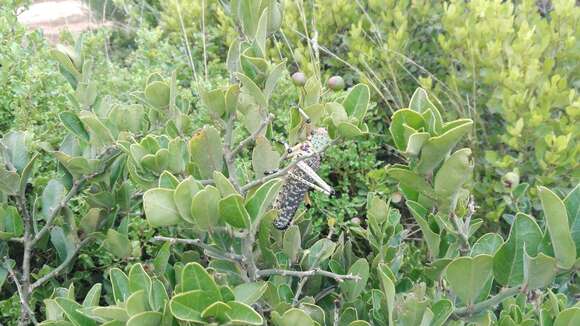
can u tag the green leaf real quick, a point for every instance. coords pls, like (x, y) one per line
(488, 244)
(9, 181)
(442, 310)
(400, 119)
(223, 184)
(539, 271)
(451, 178)
(137, 303)
(69, 308)
(158, 295)
(99, 133)
(147, 318)
(558, 228)
(262, 199)
(293, 317)
(261, 32)
(435, 149)
(93, 296)
(318, 253)
(217, 311)
(467, 276)
(72, 122)
(388, 286)
(232, 210)
(568, 317)
(253, 90)
(111, 312)
(139, 279)
(410, 179)
(195, 277)
(264, 157)
(120, 285)
(215, 101)
(158, 94)
(250, 293)
(53, 194)
(248, 13)
(420, 103)
(11, 224)
(349, 130)
(206, 149)
(160, 208)
(162, 258)
(572, 202)
(291, 245)
(357, 101)
(205, 207)
(117, 243)
(188, 306)
(242, 314)
(273, 78)
(183, 197)
(508, 263)
(433, 239)
(352, 289)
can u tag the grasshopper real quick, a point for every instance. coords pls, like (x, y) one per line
(301, 178)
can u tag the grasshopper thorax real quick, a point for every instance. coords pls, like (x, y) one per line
(319, 139)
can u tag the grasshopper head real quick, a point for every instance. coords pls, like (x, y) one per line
(319, 139)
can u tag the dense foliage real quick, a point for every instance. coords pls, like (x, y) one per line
(142, 166)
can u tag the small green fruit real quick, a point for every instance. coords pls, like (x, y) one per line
(299, 79)
(511, 180)
(336, 83)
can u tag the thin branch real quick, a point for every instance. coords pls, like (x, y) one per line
(23, 301)
(484, 305)
(312, 272)
(76, 187)
(59, 268)
(285, 170)
(230, 158)
(208, 250)
(251, 138)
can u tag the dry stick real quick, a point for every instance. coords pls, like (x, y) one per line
(203, 38)
(209, 250)
(251, 138)
(309, 273)
(285, 170)
(20, 292)
(60, 267)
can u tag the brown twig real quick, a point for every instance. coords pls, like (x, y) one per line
(309, 273)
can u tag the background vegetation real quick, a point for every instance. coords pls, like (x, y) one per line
(503, 75)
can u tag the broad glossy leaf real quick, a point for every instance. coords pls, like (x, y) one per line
(568, 317)
(16, 148)
(264, 157)
(357, 101)
(206, 149)
(442, 310)
(205, 207)
(223, 184)
(147, 318)
(508, 263)
(249, 293)
(557, 222)
(352, 289)
(262, 199)
(488, 244)
(69, 308)
(160, 208)
(451, 178)
(539, 271)
(435, 149)
(11, 224)
(242, 314)
(117, 243)
(291, 245)
(397, 128)
(139, 279)
(158, 94)
(232, 210)
(253, 90)
(195, 277)
(93, 296)
(467, 276)
(137, 303)
(72, 122)
(433, 239)
(120, 285)
(215, 101)
(183, 197)
(293, 317)
(572, 202)
(187, 306)
(53, 194)
(9, 181)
